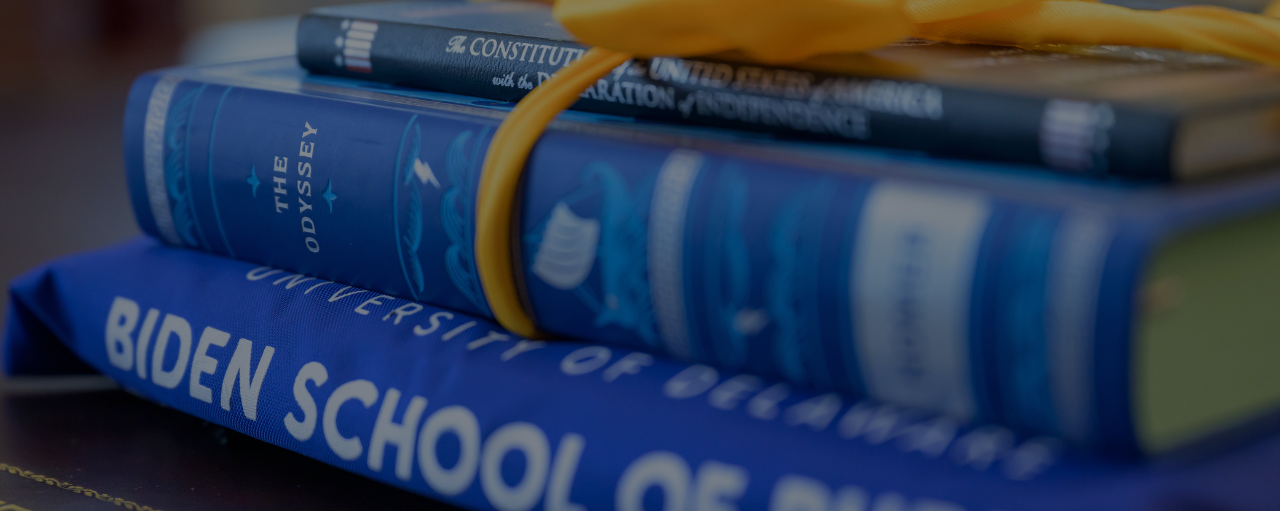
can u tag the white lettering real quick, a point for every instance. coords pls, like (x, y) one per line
(930, 437)
(249, 387)
(491, 337)
(562, 471)
(628, 364)
(144, 340)
(851, 498)
(718, 486)
(377, 300)
(400, 435)
(797, 493)
(316, 286)
(585, 360)
(202, 363)
(339, 294)
(457, 330)
(693, 380)
(400, 312)
(727, 395)
(982, 447)
(878, 423)
(1031, 458)
(817, 412)
(303, 429)
(934, 505)
(347, 448)
(764, 406)
(661, 469)
(521, 347)
(532, 442)
(172, 325)
(434, 321)
(293, 280)
(260, 273)
(890, 501)
(121, 319)
(462, 423)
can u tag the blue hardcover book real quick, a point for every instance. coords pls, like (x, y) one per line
(1132, 317)
(1103, 111)
(453, 407)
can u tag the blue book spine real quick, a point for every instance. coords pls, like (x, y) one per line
(502, 50)
(452, 407)
(984, 296)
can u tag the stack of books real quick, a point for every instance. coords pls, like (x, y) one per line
(931, 277)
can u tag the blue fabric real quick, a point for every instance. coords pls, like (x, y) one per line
(554, 425)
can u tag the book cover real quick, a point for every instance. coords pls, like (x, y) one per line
(452, 407)
(1101, 111)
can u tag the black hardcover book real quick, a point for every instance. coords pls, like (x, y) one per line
(1106, 111)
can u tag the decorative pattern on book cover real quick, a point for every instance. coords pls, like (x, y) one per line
(836, 269)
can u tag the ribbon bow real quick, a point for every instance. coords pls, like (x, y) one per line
(788, 31)
(785, 31)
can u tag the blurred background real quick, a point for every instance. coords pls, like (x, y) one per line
(64, 77)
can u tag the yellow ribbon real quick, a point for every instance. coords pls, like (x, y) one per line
(788, 31)
(500, 181)
(1199, 29)
(774, 31)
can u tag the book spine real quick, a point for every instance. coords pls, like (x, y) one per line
(454, 408)
(1067, 135)
(913, 293)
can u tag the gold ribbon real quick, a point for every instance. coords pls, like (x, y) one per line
(788, 31)
(500, 181)
(778, 31)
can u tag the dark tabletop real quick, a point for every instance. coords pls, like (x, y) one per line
(81, 443)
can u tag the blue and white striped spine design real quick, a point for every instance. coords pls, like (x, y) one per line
(356, 44)
(910, 284)
(1075, 274)
(153, 157)
(666, 249)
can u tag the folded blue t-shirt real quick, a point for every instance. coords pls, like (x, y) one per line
(455, 408)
